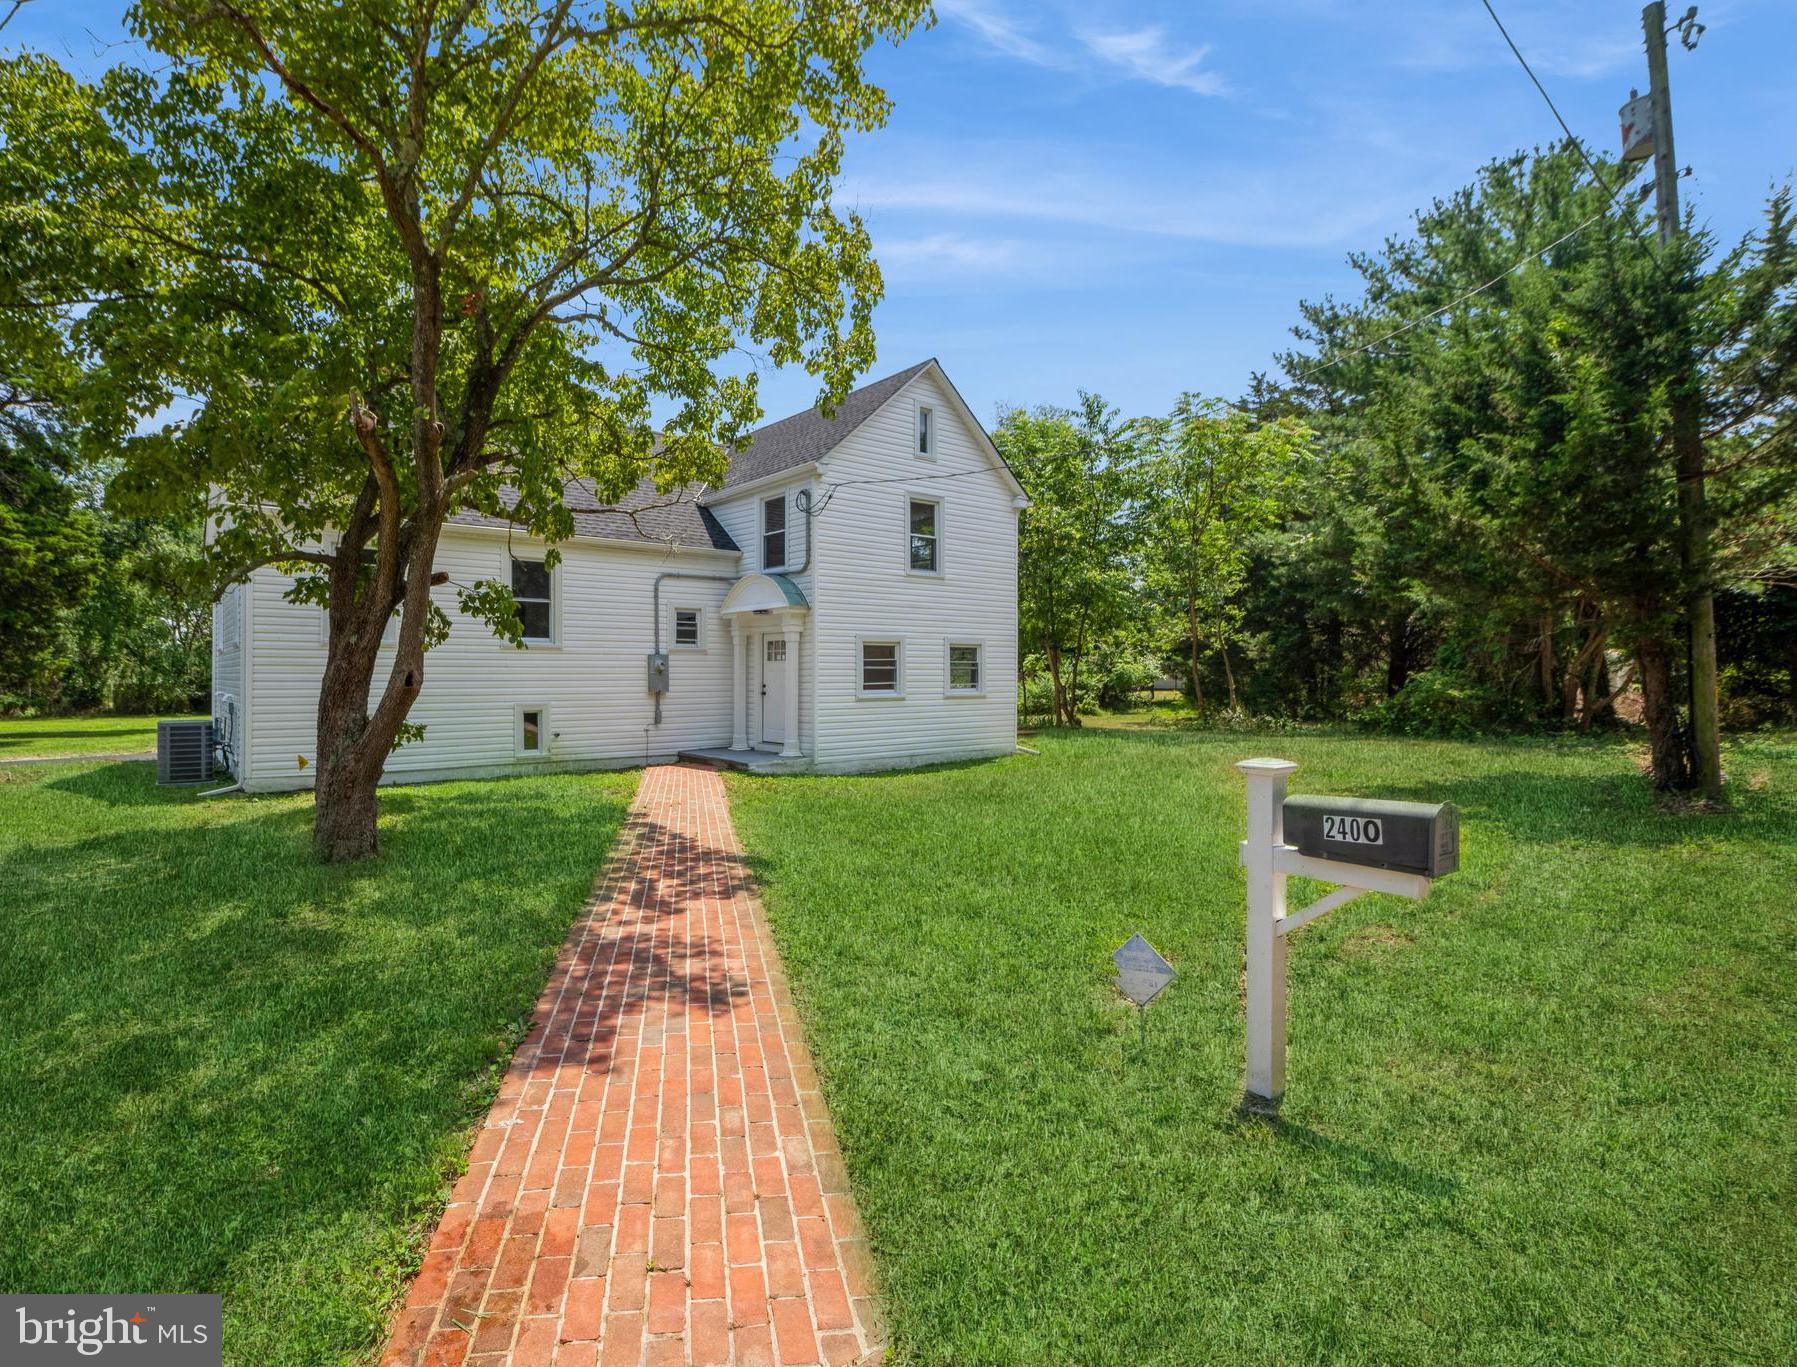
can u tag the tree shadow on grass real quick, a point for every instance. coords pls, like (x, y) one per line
(228, 1067)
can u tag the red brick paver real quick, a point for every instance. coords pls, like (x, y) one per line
(658, 1181)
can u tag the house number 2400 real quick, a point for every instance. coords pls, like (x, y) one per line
(1353, 830)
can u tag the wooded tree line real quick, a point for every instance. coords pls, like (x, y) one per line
(1458, 507)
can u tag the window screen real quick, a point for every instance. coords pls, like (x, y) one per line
(964, 668)
(879, 667)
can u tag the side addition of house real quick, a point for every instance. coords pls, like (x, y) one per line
(847, 600)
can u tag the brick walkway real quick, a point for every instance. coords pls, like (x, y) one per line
(658, 1181)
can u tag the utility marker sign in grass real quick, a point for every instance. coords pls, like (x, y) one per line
(1141, 974)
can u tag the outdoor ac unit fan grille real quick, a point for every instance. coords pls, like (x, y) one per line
(183, 751)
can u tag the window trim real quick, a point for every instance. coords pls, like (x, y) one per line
(923, 431)
(940, 536)
(949, 646)
(784, 532)
(545, 734)
(898, 655)
(674, 641)
(553, 640)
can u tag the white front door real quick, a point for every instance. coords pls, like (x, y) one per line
(773, 690)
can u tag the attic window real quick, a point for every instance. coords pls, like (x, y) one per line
(773, 532)
(926, 431)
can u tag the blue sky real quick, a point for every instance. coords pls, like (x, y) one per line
(1132, 197)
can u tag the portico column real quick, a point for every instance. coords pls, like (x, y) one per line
(791, 630)
(739, 688)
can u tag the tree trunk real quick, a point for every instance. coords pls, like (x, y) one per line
(1546, 671)
(1666, 746)
(1079, 654)
(1397, 653)
(1057, 696)
(1228, 675)
(1192, 643)
(1694, 529)
(344, 825)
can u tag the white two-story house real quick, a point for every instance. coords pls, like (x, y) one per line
(847, 600)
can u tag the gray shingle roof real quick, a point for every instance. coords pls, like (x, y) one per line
(805, 437)
(677, 517)
(674, 517)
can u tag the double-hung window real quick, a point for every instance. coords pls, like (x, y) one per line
(533, 591)
(773, 533)
(881, 663)
(688, 626)
(924, 535)
(966, 668)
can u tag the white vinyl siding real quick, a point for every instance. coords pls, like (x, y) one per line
(865, 589)
(593, 687)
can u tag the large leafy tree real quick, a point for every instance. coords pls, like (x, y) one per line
(1076, 578)
(1517, 373)
(1213, 478)
(396, 258)
(49, 551)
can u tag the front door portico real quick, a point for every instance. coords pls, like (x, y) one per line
(766, 613)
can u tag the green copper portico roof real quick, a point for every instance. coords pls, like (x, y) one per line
(759, 592)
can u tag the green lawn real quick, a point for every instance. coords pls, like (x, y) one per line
(224, 1067)
(1547, 1115)
(98, 735)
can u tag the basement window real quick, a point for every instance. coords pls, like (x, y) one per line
(532, 732)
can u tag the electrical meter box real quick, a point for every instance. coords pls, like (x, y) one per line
(1412, 837)
(658, 671)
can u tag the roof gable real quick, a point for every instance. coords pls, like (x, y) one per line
(805, 438)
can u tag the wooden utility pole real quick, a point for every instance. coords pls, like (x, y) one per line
(1689, 453)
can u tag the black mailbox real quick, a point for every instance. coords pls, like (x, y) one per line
(1414, 837)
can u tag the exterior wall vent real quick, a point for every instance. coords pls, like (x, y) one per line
(183, 752)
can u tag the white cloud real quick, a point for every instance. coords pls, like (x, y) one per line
(1000, 31)
(1315, 200)
(1148, 55)
(1144, 54)
(934, 253)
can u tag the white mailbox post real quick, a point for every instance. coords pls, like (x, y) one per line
(1270, 861)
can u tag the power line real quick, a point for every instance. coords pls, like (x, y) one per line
(1565, 128)
(1451, 304)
